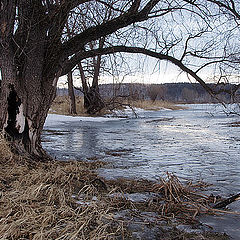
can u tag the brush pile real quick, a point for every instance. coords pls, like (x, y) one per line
(171, 198)
(67, 200)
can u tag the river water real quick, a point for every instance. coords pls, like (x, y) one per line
(196, 143)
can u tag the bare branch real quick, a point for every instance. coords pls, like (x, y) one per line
(231, 8)
(76, 43)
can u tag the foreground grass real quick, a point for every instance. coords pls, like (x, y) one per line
(61, 105)
(67, 200)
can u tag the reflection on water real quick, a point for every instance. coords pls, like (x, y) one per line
(196, 143)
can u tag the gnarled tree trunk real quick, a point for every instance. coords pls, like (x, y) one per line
(93, 101)
(25, 100)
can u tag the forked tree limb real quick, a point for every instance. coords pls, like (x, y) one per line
(77, 42)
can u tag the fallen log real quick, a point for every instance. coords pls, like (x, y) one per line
(227, 201)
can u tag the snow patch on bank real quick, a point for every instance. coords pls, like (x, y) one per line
(54, 119)
(128, 112)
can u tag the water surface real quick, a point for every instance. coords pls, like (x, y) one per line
(196, 143)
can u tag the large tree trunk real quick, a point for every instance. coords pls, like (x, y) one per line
(23, 113)
(24, 106)
(28, 65)
(26, 96)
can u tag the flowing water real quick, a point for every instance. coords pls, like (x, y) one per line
(196, 143)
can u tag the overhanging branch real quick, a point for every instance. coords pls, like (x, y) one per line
(68, 65)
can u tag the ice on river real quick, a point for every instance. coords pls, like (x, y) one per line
(196, 143)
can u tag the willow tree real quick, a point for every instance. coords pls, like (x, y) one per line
(34, 54)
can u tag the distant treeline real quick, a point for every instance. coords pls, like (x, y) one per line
(173, 92)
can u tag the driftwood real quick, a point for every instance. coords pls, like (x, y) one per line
(160, 120)
(227, 201)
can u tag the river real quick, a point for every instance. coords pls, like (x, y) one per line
(196, 143)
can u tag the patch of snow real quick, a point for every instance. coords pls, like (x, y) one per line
(135, 197)
(133, 112)
(54, 119)
(126, 112)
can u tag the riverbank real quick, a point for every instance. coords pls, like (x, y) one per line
(68, 200)
(61, 105)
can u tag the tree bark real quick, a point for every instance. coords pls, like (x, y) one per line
(24, 110)
(26, 91)
(24, 106)
(71, 94)
(84, 86)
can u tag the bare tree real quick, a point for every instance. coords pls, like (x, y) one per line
(34, 54)
(93, 101)
(198, 45)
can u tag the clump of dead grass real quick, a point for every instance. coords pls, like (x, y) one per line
(36, 200)
(172, 199)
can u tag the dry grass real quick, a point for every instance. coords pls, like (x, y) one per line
(156, 105)
(61, 105)
(37, 203)
(5, 151)
(67, 200)
(36, 200)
